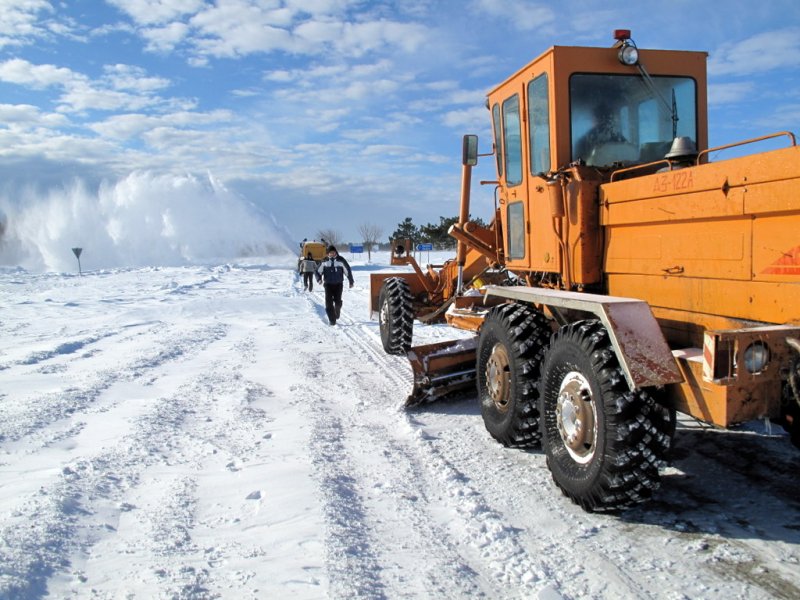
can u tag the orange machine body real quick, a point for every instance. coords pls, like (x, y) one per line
(708, 244)
(712, 247)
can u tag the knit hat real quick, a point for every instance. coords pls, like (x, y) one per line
(331, 248)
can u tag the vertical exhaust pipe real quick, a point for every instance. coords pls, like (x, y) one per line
(469, 158)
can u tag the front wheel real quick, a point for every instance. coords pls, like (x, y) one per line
(604, 443)
(396, 315)
(512, 340)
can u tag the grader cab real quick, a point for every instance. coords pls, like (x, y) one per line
(630, 272)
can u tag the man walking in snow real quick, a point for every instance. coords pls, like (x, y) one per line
(331, 274)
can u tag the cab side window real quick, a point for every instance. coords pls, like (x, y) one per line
(498, 146)
(512, 136)
(539, 125)
(516, 230)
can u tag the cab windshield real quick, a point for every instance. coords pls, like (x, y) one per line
(629, 119)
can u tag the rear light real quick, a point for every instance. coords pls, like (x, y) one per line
(756, 357)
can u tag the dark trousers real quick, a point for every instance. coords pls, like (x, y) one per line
(333, 300)
(308, 281)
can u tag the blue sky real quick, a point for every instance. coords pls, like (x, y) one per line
(334, 113)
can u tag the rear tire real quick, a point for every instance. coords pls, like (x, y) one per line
(396, 316)
(604, 443)
(510, 349)
(790, 405)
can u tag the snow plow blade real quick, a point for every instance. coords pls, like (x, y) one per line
(442, 369)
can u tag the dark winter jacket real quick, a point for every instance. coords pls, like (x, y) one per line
(333, 270)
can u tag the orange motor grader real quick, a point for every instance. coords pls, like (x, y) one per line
(630, 272)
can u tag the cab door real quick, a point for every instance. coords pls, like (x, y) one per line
(543, 244)
(507, 117)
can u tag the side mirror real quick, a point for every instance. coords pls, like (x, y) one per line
(469, 150)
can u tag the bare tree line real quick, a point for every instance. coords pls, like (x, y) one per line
(371, 235)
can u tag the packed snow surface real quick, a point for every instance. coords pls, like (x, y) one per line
(202, 432)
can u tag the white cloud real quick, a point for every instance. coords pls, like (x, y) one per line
(339, 83)
(123, 87)
(127, 77)
(319, 7)
(360, 90)
(468, 119)
(279, 75)
(22, 72)
(154, 12)
(237, 28)
(386, 150)
(165, 38)
(85, 96)
(18, 113)
(727, 93)
(521, 15)
(785, 117)
(19, 21)
(246, 93)
(26, 115)
(54, 145)
(766, 51)
(356, 39)
(129, 126)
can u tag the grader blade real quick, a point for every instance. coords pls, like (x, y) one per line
(442, 369)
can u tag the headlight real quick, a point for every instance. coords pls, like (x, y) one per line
(756, 357)
(628, 55)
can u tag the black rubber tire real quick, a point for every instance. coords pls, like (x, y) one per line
(511, 345)
(396, 316)
(604, 444)
(790, 408)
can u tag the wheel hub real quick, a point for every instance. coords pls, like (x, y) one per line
(498, 377)
(576, 417)
(383, 315)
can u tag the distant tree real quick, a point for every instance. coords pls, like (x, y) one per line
(437, 235)
(406, 231)
(370, 236)
(329, 236)
(478, 221)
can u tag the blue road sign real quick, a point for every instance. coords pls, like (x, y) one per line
(357, 249)
(424, 247)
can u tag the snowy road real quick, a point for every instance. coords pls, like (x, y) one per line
(203, 433)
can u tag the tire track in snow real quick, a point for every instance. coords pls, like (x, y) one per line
(568, 551)
(32, 418)
(86, 499)
(403, 482)
(502, 549)
(639, 551)
(352, 567)
(361, 335)
(62, 509)
(504, 552)
(352, 486)
(445, 574)
(501, 554)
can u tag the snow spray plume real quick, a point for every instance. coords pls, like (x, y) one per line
(140, 220)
